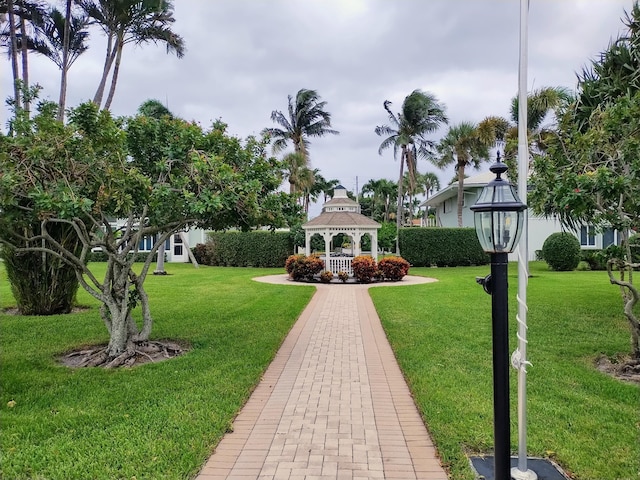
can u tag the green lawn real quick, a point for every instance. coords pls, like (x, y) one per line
(585, 421)
(161, 421)
(156, 421)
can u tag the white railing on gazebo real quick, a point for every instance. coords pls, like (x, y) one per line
(339, 264)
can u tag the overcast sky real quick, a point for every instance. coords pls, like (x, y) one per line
(245, 56)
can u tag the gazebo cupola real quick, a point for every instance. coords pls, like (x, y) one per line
(341, 214)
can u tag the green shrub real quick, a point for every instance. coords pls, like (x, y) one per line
(443, 247)
(301, 267)
(561, 251)
(364, 268)
(260, 248)
(634, 243)
(202, 253)
(393, 268)
(596, 259)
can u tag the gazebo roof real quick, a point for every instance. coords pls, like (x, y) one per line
(341, 212)
(341, 219)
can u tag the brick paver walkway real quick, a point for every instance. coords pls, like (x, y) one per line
(332, 405)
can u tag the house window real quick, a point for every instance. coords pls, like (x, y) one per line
(177, 245)
(587, 236)
(146, 243)
(610, 237)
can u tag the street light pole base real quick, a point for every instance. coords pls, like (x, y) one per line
(517, 474)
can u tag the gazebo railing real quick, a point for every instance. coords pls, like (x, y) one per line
(339, 264)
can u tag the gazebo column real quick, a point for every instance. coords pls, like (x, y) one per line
(357, 238)
(307, 242)
(327, 249)
(374, 244)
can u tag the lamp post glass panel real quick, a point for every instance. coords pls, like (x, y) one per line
(499, 217)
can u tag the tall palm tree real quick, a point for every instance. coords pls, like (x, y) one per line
(462, 146)
(130, 21)
(295, 165)
(412, 189)
(306, 118)
(18, 37)
(540, 103)
(421, 114)
(374, 187)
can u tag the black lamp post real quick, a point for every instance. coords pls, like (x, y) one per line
(499, 216)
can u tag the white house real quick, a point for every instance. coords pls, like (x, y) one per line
(445, 205)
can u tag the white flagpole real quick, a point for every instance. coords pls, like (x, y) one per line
(519, 357)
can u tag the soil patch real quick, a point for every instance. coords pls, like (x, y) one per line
(144, 352)
(623, 368)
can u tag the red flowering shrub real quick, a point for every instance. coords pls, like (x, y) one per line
(300, 267)
(326, 276)
(394, 268)
(364, 268)
(343, 276)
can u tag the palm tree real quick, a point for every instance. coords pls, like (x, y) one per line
(430, 183)
(155, 109)
(540, 103)
(24, 18)
(326, 186)
(412, 188)
(462, 146)
(294, 163)
(130, 21)
(306, 118)
(420, 115)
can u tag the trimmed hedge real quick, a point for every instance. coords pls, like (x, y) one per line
(443, 247)
(261, 248)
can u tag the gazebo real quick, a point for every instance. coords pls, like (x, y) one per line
(341, 215)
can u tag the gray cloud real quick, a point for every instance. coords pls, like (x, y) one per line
(245, 56)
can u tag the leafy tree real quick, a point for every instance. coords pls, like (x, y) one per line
(589, 173)
(420, 115)
(462, 146)
(130, 21)
(157, 176)
(306, 118)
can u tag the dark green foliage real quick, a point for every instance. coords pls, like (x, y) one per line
(40, 287)
(561, 251)
(634, 243)
(387, 236)
(393, 268)
(364, 268)
(443, 247)
(43, 284)
(248, 249)
(301, 267)
(594, 258)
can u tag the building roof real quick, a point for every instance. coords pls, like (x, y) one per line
(472, 183)
(342, 212)
(341, 219)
